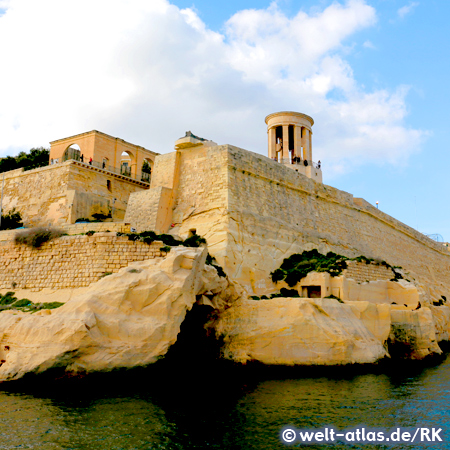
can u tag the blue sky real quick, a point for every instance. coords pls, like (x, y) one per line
(373, 74)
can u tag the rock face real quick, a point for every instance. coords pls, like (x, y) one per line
(415, 334)
(302, 331)
(126, 319)
(293, 331)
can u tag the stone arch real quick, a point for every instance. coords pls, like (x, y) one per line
(146, 169)
(128, 163)
(72, 151)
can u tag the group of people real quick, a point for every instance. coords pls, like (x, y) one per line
(298, 160)
(82, 159)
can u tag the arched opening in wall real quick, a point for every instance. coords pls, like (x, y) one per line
(279, 142)
(146, 171)
(72, 152)
(126, 162)
(105, 164)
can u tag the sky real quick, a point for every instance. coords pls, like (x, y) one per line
(373, 74)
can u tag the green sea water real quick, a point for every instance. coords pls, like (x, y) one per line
(210, 406)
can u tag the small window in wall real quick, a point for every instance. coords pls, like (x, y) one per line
(192, 232)
(108, 185)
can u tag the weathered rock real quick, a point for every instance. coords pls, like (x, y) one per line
(413, 333)
(126, 319)
(292, 331)
(441, 319)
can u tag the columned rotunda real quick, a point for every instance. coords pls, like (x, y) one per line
(289, 135)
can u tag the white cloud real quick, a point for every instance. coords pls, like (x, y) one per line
(148, 71)
(368, 44)
(403, 11)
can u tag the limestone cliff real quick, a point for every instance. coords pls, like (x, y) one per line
(124, 320)
(292, 331)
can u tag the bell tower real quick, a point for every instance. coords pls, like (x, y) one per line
(290, 144)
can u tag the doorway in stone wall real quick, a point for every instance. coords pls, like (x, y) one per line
(314, 291)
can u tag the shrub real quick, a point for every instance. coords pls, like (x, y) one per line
(397, 275)
(50, 305)
(105, 274)
(289, 292)
(90, 233)
(100, 217)
(21, 303)
(149, 236)
(363, 259)
(35, 237)
(166, 249)
(168, 239)
(298, 265)
(8, 298)
(194, 241)
(26, 305)
(11, 220)
(336, 298)
(82, 219)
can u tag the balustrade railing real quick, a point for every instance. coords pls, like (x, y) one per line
(122, 170)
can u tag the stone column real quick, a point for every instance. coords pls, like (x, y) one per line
(272, 142)
(310, 145)
(286, 159)
(297, 141)
(303, 143)
(306, 147)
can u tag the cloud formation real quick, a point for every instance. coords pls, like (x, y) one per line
(405, 10)
(149, 71)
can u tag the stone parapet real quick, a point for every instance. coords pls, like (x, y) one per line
(62, 193)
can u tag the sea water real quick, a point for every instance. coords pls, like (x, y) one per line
(220, 407)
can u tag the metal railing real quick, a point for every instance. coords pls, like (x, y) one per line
(301, 162)
(306, 162)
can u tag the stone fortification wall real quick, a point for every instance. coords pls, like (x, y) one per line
(274, 212)
(201, 197)
(62, 193)
(150, 209)
(70, 261)
(361, 272)
(188, 192)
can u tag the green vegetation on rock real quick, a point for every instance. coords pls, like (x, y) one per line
(149, 236)
(8, 301)
(298, 265)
